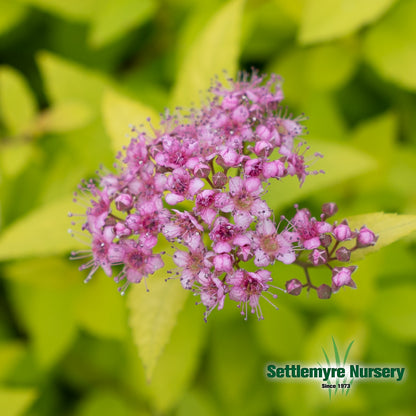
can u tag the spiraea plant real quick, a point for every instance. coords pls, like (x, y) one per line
(199, 182)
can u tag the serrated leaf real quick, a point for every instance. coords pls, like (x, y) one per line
(15, 401)
(389, 228)
(178, 363)
(329, 19)
(390, 46)
(17, 104)
(64, 117)
(42, 232)
(394, 312)
(120, 113)
(215, 49)
(11, 14)
(77, 10)
(114, 18)
(67, 81)
(153, 316)
(340, 162)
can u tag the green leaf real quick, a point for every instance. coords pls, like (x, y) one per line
(114, 18)
(67, 81)
(17, 104)
(104, 403)
(153, 316)
(42, 232)
(288, 320)
(15, 401)
(389, 228)
(47, 314)
(11, 14)
(120, 113)
(343, 329)
(77, 10)
(293, 8)
(390, 46)
(329, 19)
(100, 308)
(14, 157)
(10, 353)
(178, 363)
(377, 136)
(394, 312)
(64, 117)
(340, 162)
(215, 49)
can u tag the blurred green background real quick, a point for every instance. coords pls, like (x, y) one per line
(73, 76)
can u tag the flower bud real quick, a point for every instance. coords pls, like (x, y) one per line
(343, 254)
(342, 232)
(219, 179)
(318, 257)
(324, 291)
(326, 240)
(366, 237)
(202, 170)
(329, 209)
(124, 202)
(294, 287)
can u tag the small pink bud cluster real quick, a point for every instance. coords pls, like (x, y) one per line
(323, 245)
(199, 182)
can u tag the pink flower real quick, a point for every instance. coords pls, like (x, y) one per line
(247, 287)
(341, 276)
(182, 186)
(192, 263)
(245, 201)
(138, 262)
(309, 230)
(272, 246)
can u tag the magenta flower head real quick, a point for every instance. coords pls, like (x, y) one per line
(198, 182)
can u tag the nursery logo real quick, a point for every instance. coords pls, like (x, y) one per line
(335, 376)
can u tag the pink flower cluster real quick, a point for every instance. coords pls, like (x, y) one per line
(199, 183)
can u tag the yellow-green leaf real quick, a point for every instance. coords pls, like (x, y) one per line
(65, 116)
(77, 10)
(390, 46)
(394, 312)
(15, 401)
(340, 162)
(114, 18)
(14, 157)
(42, 232)
(153, 316)
(10, 353)
(329, 19)
(100, 308)
(67, 81)
(120, 113)
(12, 13)
(389, 228)
(178, 362)
(214, 50)
(17, 104)
(47, 315)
